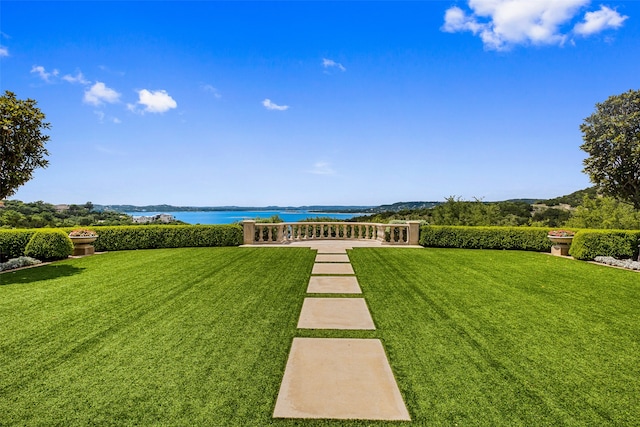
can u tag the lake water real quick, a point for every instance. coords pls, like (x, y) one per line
(230, 217)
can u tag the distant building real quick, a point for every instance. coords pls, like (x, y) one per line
(162, 218)
(61, 208)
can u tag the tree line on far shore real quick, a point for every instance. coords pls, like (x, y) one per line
(17, 214)
(591, 211)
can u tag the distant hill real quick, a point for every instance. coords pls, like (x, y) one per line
(171, 208)
(574, 199)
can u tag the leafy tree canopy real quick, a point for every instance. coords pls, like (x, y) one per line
(22, 142)
(612, 139)
(603, 213)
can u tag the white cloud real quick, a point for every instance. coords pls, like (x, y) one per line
(102, 116)
(502, 24)
(212, 90)
(158, 101)
(110, 71)
(3, 51)
(272, 106)
(595, 22)
(78, 78)
(322, 168)
(99, 93)
(330, 63)
(44, 75)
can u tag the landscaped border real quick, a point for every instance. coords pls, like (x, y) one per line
(117, 238)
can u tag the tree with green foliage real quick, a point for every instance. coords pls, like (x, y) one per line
(612, 139)
(22, 142)
(606, 213)
(550, 217)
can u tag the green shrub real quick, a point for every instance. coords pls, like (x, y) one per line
(13, 242)
(118, 238)
(49, 245)
(588, 244)
(514, 238)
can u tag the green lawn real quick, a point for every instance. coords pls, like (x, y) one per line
(507, 338)
(201, 337)
(165, 337)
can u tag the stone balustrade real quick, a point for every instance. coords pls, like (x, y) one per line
(287, 232)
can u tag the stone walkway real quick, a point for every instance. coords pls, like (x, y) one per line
(337, 378)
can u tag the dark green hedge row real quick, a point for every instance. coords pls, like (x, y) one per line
(14, 241)
(588, 244)
(514, 238)
(118, 238)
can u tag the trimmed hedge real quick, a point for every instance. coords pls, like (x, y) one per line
(513, 238)
(13, 242)
(588, 244)
(49, 245)
(129, 237)
(118, 238)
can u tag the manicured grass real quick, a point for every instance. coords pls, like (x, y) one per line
(165, 337)
(506, 338)
(201, 336)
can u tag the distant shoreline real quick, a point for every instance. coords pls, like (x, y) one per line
(235, 216)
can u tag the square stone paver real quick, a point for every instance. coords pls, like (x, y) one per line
(332, 268)
(333, 285)
(331, 249)
(338, 378)
(335, 313)
(332, 258)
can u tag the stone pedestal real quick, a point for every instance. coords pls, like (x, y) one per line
(560, 249)
(83, 245)
(83, 249)
(561, 245)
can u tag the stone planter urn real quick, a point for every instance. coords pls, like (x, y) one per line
(83, 245)
(561, 244)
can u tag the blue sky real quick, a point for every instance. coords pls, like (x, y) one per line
(293, 103)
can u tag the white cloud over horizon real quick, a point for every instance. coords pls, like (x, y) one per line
(273, 106)
(502, 24)
(322, 168)
(102, 117)
(99, 93)
(212, 90)
(157, 101)
(330, 63)
(43, 74)
(78, 78)
(4, 51)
